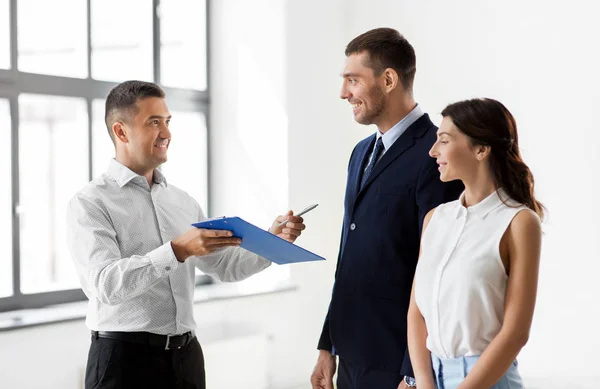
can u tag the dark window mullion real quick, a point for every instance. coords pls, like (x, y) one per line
(90, 139)
(156, 39)
(14, 155)
(89, 38)
(14, 48)
(16, 219)
(41, 300)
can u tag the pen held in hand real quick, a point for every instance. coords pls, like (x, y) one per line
(305, 210)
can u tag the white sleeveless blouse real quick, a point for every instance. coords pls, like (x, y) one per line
(460, 280)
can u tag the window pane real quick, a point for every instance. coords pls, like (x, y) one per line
(102, 147)
(4, 34)
(187, 165)
(183, 43)
(52, 37)
(53, 166)
(5, 202)
(122, 40)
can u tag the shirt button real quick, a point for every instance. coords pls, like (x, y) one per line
(167, 268)
(352, 227)
(164, 229)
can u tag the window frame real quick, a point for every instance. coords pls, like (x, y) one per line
(14, 82)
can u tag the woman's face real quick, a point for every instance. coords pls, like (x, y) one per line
(454, 152)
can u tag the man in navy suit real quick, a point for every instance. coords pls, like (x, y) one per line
(392, 184)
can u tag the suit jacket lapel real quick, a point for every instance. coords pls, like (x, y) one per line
(405, 142)
(358, 166)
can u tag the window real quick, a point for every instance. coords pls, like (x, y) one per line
(102, 147)
(122, 47)
(183, 43)
(4, 34)
(53, 44)
(5, 203)
(52, 122)
(53, 141)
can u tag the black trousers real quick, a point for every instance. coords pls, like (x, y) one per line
(116, 364)
(351, 376)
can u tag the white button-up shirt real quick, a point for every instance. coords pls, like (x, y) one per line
(119, 232)
(460, 281)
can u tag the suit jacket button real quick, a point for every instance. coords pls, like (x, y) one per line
(352, 227)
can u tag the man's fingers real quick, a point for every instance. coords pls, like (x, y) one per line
(319, 382)
(295, 219)
(295, 226)
(288, 237)
(289, 218)
(216, 233)
(290, 231)
(223, 241)
(214, 247)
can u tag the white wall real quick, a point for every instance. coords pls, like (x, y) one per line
(289, 87)
(281, 138)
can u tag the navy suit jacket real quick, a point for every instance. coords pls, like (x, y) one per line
(366, 321)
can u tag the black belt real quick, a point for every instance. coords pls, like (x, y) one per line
(168, 342)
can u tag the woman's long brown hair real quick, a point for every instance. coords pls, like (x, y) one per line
(489, 123)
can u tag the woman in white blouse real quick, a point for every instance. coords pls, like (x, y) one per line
(476, 280)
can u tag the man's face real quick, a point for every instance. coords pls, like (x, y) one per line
(148, 135)
(363, 89)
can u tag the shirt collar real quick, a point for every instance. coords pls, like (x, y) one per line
(159, 178)
(394, 133)
(123, 175)
(485, 206)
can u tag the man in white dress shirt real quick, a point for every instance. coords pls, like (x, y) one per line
(130, 235)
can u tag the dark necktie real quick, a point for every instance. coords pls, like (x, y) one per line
(376, 154)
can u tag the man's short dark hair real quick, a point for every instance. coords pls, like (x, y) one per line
(122, 99)
(387, 48)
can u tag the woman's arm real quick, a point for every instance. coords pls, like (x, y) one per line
(523, 240)
(420, 356)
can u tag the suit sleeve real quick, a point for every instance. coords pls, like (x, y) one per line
(325, 339)
(431, 192)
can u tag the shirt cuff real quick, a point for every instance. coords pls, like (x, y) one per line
(163, 259)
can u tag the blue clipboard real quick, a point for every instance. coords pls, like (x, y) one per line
(261, 242)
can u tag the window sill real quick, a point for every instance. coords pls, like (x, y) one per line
(77, 311)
